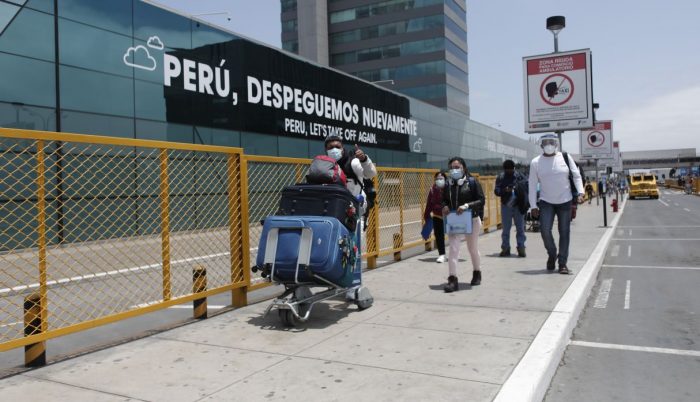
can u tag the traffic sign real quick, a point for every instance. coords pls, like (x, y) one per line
(558, 91)
(597, 143)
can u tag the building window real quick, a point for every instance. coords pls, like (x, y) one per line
(384, 7)
(291, 46)
(403, 72)
(389, 51)
(425, 92)
(288, 5)
(394, 28)
(289, 26)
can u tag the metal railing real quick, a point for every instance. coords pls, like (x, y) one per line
(98, 229)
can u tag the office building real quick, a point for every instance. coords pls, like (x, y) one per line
(415, 47)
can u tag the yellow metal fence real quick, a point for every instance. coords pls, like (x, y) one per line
(100, 229)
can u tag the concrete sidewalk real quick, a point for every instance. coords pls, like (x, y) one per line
(416, 342)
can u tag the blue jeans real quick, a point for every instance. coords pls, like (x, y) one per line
(508, 215)
(563, 213)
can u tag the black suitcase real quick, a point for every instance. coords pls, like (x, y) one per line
(320, 200)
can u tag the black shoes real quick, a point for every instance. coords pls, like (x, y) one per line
(551, 261)
(476, 278)
(505, 252)
(452, 284)
(564, 270)
(521, 252)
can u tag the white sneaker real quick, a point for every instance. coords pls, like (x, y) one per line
(441, 259)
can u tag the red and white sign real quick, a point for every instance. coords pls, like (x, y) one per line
(597, 143)
(558, 92)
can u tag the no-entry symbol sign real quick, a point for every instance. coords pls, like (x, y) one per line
(598, 142)
(557, 89)
(558, 95)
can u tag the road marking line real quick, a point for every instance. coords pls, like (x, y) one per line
(629, 251)
(663, 203)
(11, 324)
(398, 224)
(615, 250)
(110, 273)
(603, 294)
(657, 239)
(627, 295)
(630, 232)
(650, 267)
(686, 209)
(633, 348)
(638, 227)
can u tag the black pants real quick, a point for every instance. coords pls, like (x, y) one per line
(439, 230)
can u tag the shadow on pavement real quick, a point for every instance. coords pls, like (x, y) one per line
(322, 315)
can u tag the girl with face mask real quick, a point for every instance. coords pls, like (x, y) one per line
(462, 192)
(433, 211)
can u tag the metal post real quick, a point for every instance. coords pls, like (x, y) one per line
(199, 285)
(605, 208)
(34, 353)
(597, 198)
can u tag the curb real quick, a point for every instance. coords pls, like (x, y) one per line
(530, 379)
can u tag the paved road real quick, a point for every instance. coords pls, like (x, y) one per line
(639, 336)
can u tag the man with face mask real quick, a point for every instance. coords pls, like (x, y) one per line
(356, 165)
(510, 187)
(551, 171)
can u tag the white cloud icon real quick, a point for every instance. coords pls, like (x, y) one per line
(154, 42)
(130, 58)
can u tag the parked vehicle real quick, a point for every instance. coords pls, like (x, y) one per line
(643, 185)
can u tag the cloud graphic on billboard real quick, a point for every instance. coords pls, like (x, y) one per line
(133, 52)
(154, 42)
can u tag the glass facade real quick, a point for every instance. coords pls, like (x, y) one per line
(383, 7)
(394, 28)
(389, 51)
(110, 80)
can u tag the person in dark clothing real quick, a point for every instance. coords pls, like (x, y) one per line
(511, 186)
(463, 192)
(433, 210)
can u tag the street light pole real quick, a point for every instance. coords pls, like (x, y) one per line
(555, 24)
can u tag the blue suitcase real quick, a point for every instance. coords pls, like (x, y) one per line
(308, 249)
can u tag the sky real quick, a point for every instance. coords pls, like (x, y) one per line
(646, 59)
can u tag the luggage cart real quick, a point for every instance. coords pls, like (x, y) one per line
(298, 299)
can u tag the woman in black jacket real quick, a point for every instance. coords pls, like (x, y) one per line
(463, 192)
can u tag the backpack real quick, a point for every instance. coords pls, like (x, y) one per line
(325, 170)
(371, 193)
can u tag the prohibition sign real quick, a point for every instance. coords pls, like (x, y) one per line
(555, 87)
(596, 139)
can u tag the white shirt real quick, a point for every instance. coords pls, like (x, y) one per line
(552, 174)
(364, 170)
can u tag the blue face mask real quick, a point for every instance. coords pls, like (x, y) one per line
(456, 174)
(335, 153)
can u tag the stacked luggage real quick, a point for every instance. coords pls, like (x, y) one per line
(312, 241)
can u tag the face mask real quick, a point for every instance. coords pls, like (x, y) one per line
(456, 173)
(550, 149)
(440, 183)
(335, 153)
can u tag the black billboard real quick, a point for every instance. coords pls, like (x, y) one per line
(240, 85)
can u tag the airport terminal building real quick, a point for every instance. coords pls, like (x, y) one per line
(132, 69)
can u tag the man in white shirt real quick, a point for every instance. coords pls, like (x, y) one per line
(552, 173)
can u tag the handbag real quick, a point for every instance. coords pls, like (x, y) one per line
(427, 229)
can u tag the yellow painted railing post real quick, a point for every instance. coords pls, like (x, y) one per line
(398, 237)
(422, 178)
(165, 223)
(373, 229)
(41, 228)
(237, 217)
